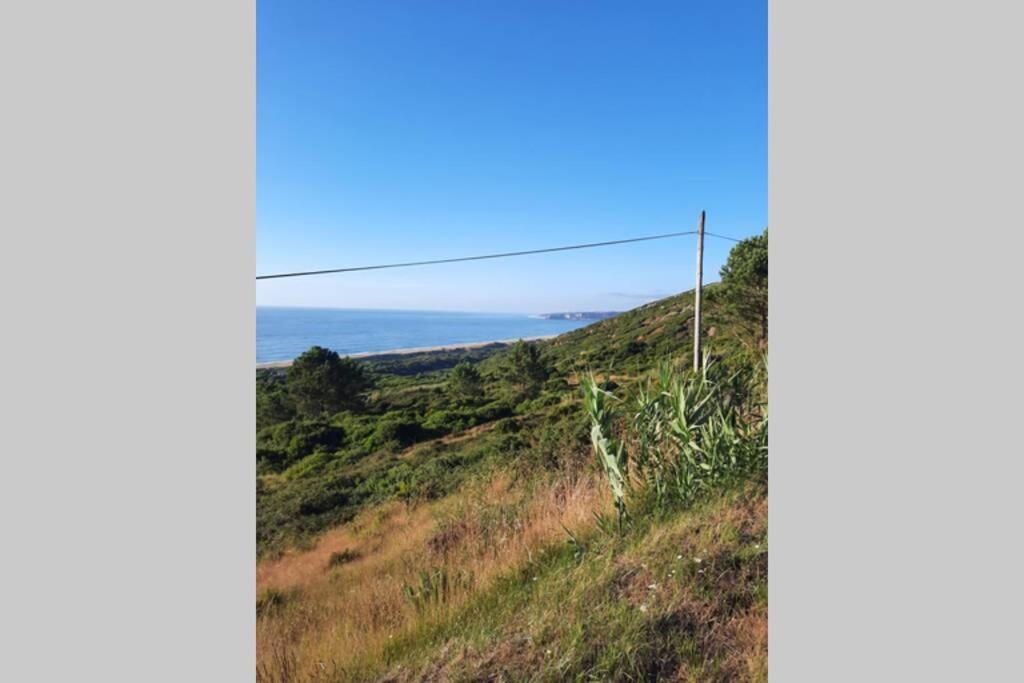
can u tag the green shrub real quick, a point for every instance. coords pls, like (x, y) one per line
(310, 437)
(543, 401)
(397, 430)
(562, 438)
(309, 465)
(270, 460)
(280, 446)
(298, 438)
(444, 421)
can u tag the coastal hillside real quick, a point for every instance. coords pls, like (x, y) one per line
(580, 508)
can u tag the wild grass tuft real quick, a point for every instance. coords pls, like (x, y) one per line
(341, 557)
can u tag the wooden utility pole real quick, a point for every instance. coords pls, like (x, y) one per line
(696, 295)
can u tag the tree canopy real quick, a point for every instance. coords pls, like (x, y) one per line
(273, 402)
(320, 381)
(527, 370)
(744, 289)
(466, 383)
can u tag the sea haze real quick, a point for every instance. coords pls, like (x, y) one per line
(284, 333)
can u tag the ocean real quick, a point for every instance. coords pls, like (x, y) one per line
(284, 333)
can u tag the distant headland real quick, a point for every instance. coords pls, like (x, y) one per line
(579, 315)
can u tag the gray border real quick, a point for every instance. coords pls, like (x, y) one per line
(128, 262)
(127, 506)
(895, 148)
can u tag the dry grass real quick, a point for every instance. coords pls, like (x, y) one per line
(685, 601)
(325, 620)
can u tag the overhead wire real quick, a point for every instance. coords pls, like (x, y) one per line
(488, 256)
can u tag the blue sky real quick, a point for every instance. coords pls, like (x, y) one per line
(392, 131)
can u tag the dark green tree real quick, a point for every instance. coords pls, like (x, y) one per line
(527, 369)
(466, 383)
(273, 402)
(320, 381)
(744, 290)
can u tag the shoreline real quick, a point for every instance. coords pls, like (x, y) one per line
(413, 350)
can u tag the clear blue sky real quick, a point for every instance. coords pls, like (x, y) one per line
(392, 131)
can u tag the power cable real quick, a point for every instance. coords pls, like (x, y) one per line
(488, 256)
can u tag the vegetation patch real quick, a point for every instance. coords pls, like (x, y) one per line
(582, 508)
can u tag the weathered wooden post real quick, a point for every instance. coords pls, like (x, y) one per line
(696, 295)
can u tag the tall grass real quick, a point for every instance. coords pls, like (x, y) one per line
(683, 433)
(410, 566)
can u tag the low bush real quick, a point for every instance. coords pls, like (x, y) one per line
(310, 465)
(397, 430)
(298, 438)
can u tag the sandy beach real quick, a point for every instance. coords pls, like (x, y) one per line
(422, 349)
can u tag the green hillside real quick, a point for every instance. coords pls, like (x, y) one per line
(460, 515)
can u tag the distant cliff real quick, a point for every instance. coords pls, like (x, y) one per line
(581, 315)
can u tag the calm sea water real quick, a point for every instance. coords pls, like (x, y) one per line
(284, 333)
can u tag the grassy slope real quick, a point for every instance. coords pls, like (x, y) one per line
(637, 339)
(683, 599)
(458, 566)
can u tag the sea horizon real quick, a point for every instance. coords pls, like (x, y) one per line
(285, 332)
(398, 310)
